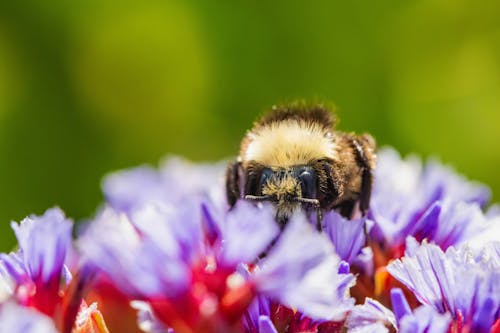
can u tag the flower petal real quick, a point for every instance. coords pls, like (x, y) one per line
(301, 271)
(266, 325)
(247, 232)
(370, 317)
(44, 242)
(138, 267)
(347, 236)
(455, 282)
(425, 319)
(17, 319)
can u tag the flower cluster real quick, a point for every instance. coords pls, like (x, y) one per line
(38, 291)
(165, 254)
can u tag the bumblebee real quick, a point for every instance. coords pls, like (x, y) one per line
(294, 158)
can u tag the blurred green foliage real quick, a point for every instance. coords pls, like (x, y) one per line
(87, 87)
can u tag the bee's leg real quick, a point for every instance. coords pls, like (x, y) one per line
(366, 189)
(233, 183)
(281, 220)
(365, 230)
(346, 208)
(360, 145)
(319, 216)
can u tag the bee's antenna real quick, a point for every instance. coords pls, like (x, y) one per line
(314, 202)
(258, 197)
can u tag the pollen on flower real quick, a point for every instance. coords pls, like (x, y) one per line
(235, 280)
(381, 276)
(211, 265)
(25, 292)
(208, 306)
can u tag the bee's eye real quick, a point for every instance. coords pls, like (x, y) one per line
(308, 184)
(266, 175)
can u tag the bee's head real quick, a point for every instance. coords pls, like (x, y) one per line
(288, 188)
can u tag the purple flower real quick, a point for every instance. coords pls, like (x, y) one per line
(427, 183)
(259, 309)
(44, 242)
(176, 181)
(443, 182)
(301, 270)
(457, 282)
(175, 237)
(36, 277)
(488, 234)
(126, 189)
(347, 236)
(245, 236)
(6, 283)
(264, 315)
(115, 246)
(449, 223)
(374, 317)
(18, 319)
(266, 325)
(164, 255)
(413, 200)
(146, 320)
(423, 319)
(168, 243)
(370, 317)
(34, 273)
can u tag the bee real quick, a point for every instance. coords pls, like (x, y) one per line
(294, 158)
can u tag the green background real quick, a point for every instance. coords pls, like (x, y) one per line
(87, 87)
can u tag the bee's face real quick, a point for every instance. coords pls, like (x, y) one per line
(288, 184)
(288, 188)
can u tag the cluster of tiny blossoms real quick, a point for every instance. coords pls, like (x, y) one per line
(165, 254)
